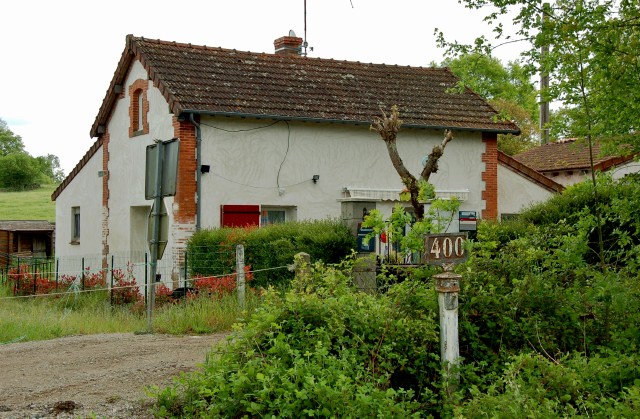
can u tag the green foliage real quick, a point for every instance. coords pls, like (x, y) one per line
(20, 171)
(605, 385)
(9, 142)
(321, 351)
(591, 59)
(618, 203)
(212, 252)
(440, 213)
(508, 89)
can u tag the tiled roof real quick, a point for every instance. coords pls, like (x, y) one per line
(26, 225)
(567, 155)
(210, 80)
(528, 172)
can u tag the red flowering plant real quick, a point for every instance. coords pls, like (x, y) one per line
(220, 285)
(26, 281)
(163, 295)
(125, 289)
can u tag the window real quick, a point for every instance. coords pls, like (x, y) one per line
(275, 215)
(272, 217)
(75, 225)
(138, 108)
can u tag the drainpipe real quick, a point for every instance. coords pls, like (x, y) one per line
(198, 171)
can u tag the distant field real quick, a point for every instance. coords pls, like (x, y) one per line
(28, 205)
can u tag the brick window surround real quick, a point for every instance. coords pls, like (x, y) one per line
(138, 108)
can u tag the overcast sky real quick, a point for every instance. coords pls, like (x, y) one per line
(58, 57)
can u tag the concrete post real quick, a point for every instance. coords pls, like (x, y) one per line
(448, 286)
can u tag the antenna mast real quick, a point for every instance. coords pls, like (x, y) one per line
(304, 43)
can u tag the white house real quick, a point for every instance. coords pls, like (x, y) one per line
(265, 138)
(567, 161)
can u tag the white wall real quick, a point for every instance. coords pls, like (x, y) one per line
(85, 191)
(273, 164)
(127, 164)
(516, 192)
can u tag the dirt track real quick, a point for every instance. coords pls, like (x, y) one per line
(95, 375)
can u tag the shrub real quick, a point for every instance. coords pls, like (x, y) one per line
(125, 289)
(213, 252)
(322, 351)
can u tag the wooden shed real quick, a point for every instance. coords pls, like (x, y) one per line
(25, 238)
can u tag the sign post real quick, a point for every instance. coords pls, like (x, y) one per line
(447, 250)
(161, 175)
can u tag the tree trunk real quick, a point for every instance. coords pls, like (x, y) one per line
(387, 127)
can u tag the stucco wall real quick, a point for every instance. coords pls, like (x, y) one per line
(127, 162)
(84, 192)
(259, 162)
(515, 192)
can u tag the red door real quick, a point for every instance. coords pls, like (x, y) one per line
(239, 215)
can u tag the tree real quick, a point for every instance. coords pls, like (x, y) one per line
(589, 50)
(19, 171)
(590, 55)
(508, 89)
(387, 127)
(9, 142)
(50, 167)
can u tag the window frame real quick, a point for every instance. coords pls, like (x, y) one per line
(75, 225)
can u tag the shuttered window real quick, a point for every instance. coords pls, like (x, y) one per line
(239, 215)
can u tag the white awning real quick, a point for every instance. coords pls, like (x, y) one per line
(352, 193)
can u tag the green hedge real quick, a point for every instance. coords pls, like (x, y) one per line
(213, 251)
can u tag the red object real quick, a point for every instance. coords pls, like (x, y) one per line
(383, 237)
(239, 215)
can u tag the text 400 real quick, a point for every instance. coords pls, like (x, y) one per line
(448, 247)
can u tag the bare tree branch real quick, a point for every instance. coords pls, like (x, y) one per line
(387, 127)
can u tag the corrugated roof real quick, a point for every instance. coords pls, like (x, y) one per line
(208, 80)
(26, 225)
(567, 155)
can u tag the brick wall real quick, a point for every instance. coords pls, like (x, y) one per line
(138, 87)
(184, 203)
(490, 176)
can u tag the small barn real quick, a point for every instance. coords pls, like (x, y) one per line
(25, 238)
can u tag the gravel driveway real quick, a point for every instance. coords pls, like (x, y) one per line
(95, 375)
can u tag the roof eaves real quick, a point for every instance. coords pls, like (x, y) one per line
(118, 78)
(85, 159)
(342, 121)
(529, 173)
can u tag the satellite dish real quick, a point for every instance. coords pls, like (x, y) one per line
(424, 161)
(292, 33)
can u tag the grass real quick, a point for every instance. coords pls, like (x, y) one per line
(48, 317)
(28, 205)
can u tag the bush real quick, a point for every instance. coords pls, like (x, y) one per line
(324, 352)
(213, 252)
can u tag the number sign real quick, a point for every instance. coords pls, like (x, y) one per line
(444, 249)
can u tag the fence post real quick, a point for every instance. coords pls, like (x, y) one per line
(111, 288)
(240, 282)
(146, 277)
(83, 274)
(57, 270)
(33, 275)
(186, 269)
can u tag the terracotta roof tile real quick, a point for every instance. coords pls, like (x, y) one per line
(210, 80)
(566, 155)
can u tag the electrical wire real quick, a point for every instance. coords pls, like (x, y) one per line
(244, 129)
(285, 153)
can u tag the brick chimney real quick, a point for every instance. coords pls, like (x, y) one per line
(288, 45)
